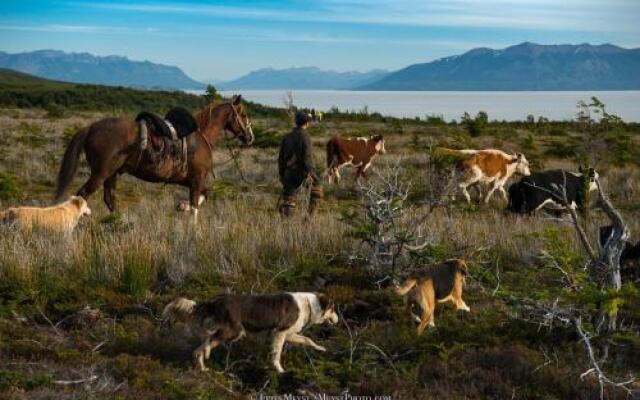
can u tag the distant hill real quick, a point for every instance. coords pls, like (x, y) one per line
(21, 90)
(10, 79)
(527, 66)
(302, 78)
(87, 68)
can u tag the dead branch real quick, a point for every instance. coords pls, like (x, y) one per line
(603, 379)
(384, 208)
(441, 183)
(559, 193)
(383, 354)
(570, 279)
(77, 381)
(354, 337)
(612, 250)
(48, 321)
(552, 315)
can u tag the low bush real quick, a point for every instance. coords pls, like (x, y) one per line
(10, 187)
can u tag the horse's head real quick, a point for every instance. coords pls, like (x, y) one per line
(238, 122)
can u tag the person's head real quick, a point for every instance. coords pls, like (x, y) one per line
(302, 120)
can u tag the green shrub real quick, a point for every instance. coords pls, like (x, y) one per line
(620, 148)
(557, 131)
(17, 379)
(475, 126)
(9, 186)
(435, 119)
(562, 150)
(266, 138)
(559, 249)
(528, 143)
(138, 273)
(54, 110)
(59, 96)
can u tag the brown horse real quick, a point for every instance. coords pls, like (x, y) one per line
(112, 147)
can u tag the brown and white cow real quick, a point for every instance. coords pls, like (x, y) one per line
(491, 167)
(357, 152)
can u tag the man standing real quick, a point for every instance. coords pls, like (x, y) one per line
(296, 167)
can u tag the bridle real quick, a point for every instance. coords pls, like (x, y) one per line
(246, 125)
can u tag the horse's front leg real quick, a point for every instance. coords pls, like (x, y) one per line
(196, 196)
(109, 192)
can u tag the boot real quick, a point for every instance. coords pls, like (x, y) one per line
(287, 207)
(315, 198)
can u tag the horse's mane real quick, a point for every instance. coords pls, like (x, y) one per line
(204, 116)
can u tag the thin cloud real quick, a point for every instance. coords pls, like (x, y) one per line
(575, 15)
(62, 28)
(267, 35)
(321, 39)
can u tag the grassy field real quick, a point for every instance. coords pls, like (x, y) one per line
(79, 316)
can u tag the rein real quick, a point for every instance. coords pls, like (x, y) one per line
(213, 172)
(233, 156)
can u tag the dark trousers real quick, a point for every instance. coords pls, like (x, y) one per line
(292, 181)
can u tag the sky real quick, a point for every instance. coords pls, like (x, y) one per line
(221, 40)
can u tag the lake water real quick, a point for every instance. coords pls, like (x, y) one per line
(451, 105)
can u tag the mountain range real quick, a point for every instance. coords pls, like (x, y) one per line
(302, 78)
(526, 66)
(87, 68)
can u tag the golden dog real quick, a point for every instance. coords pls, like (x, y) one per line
(436, 284)
(61, 218)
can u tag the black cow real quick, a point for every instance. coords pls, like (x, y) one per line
(630, 257)
(538, 190)
(629, 253)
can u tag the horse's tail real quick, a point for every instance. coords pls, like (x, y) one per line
(70, 162)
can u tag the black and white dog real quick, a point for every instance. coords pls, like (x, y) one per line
(229, 317)
(540, 190)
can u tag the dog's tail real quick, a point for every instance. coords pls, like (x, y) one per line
(179, 309)
(457, 152)
(406, 286)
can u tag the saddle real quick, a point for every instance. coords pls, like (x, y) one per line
(168, 135)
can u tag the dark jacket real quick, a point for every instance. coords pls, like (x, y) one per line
(295, 153)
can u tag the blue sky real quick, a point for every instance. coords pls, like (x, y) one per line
(218, 40)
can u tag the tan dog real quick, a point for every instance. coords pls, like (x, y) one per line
(438, 283)
(60, 218)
